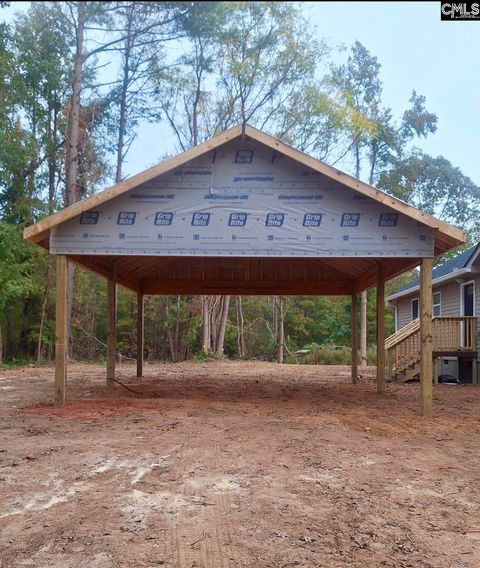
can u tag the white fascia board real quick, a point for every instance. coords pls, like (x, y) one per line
(445, 278)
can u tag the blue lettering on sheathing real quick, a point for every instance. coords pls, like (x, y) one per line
(275, 219)
(200, 219)
(252, 178)
(192, 172)
(312, 219)
(152, 196)
(89, 218)
(126, 218)
(163, 218)
(350, 220)
(283, 197)
(237, 219)
(388, 220)
(244, 156)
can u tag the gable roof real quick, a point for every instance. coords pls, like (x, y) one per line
(451, 268)
(446, 236)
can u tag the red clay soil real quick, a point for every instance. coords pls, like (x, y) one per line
(236, 464)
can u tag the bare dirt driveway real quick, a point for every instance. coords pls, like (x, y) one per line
(236, 464)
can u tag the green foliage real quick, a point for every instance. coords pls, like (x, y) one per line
(256, 62)
(435, 186)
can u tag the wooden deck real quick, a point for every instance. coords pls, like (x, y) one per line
(451, 336)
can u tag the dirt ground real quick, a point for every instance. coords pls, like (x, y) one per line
(236, 464)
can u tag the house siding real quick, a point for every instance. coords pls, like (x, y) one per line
(450, 306)
(450, 302)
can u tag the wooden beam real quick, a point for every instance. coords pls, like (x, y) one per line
(474, 371)
(354, 338)
(111, 330)
(391, 267)
(252, 288)
(426, 336)
(140, 334)
(92, 264)
(61, 331)
(380, 332)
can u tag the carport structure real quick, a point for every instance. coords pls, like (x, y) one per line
(244, 213)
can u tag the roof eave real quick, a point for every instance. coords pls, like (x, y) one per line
(439, 280)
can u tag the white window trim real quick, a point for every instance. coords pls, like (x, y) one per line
(462, 303)
(439, 304)
(411, 308)
(462, 306)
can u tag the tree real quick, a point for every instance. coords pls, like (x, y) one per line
(359, 83)
(435, 186)
(374, 135)
(17, 271)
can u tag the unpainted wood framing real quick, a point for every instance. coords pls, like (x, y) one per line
(242, 276)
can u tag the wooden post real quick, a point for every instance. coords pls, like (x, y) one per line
(435, 370)
(61, 331)
(140, 335)
(426, 336)
(474, 347)
(380, 332)
(354, 339)
(111, 329)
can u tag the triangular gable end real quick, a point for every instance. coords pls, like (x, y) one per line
(241, 188)
(243, 199)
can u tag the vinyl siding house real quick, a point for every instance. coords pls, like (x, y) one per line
(456, 303)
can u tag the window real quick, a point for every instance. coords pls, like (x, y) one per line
(414, 309)
(437, 305)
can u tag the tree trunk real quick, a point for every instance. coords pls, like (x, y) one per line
(71, 161)
(363, 311)
(176, 337)
(1, 345)
(363, 329)
(122, 122)
(205, 324)
(44, 310)
(281, 328)
(223, 325)
(240, 328)
(171, 336)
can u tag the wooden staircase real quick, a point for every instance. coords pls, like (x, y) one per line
(403, 353)
(451, 335)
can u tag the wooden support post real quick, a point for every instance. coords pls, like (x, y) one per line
(111, 330)
(354, 339)
(435, 370)
(61, 331)
(474, 371)
(380, 332)
(140, 335)
(426, 336)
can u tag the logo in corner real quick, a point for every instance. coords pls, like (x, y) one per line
(459, 11)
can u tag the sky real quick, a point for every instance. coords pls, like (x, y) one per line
(440, 60)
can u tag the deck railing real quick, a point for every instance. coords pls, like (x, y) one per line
(450, 335)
